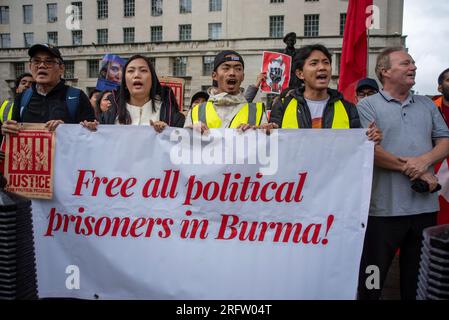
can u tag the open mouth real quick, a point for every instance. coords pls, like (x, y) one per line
(231, 82)
(42, 73)
(137, 84)
(322, 77)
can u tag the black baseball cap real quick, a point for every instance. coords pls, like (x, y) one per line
(47, 48)
(200, 94)
(226, 55)
(367, 83)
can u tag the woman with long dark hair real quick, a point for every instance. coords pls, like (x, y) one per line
(142, 100)
(103, 104)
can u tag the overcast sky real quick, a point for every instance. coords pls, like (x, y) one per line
(426, 25)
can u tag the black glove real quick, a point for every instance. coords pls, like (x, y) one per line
(421, 186)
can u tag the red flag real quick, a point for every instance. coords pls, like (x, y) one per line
(442, 173)
(354, 51)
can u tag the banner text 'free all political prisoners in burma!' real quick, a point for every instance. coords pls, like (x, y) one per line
(140, 215)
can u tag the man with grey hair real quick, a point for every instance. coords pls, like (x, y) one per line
(415, 137)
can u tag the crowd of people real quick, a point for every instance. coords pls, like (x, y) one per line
(410, 131)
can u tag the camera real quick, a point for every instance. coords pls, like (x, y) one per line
(421, 186)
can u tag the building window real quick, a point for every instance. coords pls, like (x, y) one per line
(208, 65)
(28, 14)
(185, 32)
(78, 14)
(312, 0)
(156, 8)
(69, 72)
(4, 15)
(214, 5)
(276, 1)
(185, 6)
(102, 36)
(5, 40)
(342, 23)
(336, 70)
(102, 9)
(156, 34)
(52, 38)
(129, 8)
(19, 68)
(77, 37)
(214, 31)
(28, 38)
(276, 26)
(311, 25)
(179, 66)
(93, 68)
(52, 12)
(128, 35)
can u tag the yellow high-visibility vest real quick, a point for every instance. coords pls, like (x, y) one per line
(6, 110)
(340, 121)
(250, 113)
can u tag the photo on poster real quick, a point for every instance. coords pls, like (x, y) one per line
(110, 72)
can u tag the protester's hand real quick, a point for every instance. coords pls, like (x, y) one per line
(244, 127)
(10, 127)
(374, 133)
(90, 125)
(414, 167)
(431, 179)
(260, 77)
(159, 126)
(268, 127)
(200, 127)
(53, 124)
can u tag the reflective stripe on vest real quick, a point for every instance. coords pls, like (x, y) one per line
(6, 110)
(250, 113)
(290, 119)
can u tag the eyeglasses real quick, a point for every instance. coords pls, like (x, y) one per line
(362, 95)
(47, 63)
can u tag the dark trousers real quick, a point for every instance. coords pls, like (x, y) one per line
(384, 236)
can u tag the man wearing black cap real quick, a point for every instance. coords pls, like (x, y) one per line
(49, 100)
(199, 98)
(365, 88)
(227, 106)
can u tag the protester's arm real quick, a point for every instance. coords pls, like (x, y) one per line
(85, 110)
(12, 126)
(252, 90)
(414, 167)
(251, 93)
(386, 160)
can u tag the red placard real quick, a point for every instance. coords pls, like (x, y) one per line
(177, 85)
(277, 66)
(29, 161)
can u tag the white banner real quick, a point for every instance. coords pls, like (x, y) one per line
(140, 215)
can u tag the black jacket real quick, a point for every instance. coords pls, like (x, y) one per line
(53, 106)
(170, 113)
(304, 117)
